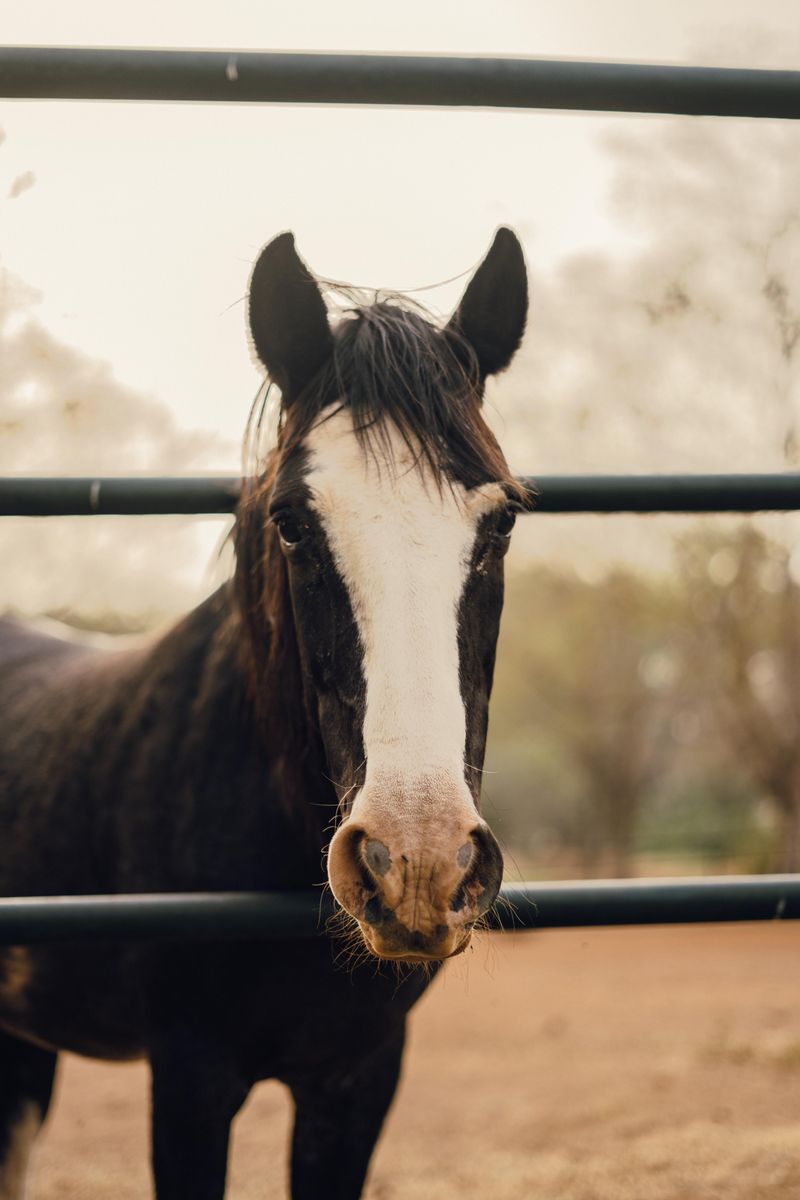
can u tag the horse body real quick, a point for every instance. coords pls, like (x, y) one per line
(346, 668)
(102, 794)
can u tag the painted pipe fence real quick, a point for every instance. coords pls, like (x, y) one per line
(231, 77)
(120, 496)
(212, 76)
(210, 916)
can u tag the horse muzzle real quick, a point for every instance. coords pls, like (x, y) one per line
(415, 895)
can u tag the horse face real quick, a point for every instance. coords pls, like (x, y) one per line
(396, 582)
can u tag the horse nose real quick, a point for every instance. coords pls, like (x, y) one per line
(478, 859)
(415, 897)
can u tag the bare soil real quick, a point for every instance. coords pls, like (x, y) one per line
(614, 1064)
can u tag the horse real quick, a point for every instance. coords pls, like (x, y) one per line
(320, 717)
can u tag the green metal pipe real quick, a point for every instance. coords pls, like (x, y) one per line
(77, 73)
(120, 496)
(207, 916)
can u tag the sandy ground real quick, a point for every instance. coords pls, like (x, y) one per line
(621, 1064)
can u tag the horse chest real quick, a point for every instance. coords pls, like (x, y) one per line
(288, 1007)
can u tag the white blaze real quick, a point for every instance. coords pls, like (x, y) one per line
(403, 548)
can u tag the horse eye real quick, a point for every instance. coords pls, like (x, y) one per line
(289, 528)
(506, 522)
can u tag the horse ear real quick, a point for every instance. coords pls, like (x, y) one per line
(494, 308)
(288, 318)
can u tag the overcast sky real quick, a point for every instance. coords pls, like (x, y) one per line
(137, 224)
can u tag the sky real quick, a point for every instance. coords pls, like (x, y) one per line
(133, 227)
(138, 223)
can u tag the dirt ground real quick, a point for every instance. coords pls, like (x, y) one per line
(619, 1064)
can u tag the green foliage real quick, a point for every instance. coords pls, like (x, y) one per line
(638, 717)
(713, 818)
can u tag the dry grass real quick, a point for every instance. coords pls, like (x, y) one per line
(627, 1064)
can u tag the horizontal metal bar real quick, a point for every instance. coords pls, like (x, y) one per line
(651, 901)
(74, 73)
(286, 915)
(665, 493)
(115, 496)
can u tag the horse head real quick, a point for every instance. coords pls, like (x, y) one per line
(389, 506)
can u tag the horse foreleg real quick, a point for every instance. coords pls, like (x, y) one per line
(26, 1083)
(197, 1091)
(337, 1123)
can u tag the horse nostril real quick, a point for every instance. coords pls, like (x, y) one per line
(464, 855)
(482, 864)
(373, 911)
(376, 856)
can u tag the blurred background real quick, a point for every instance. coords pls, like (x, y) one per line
(646, 717)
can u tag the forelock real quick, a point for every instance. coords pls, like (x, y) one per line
(396, 370)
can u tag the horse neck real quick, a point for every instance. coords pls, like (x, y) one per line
(253, 692)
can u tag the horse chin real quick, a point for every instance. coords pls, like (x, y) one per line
(390, 951)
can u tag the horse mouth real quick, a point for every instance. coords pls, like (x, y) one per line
(414, 951)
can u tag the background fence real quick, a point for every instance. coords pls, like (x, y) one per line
(89, 74)
(118, 496)
(28, 72)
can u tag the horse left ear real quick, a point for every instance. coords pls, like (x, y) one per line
(494, 308)
(288, 318)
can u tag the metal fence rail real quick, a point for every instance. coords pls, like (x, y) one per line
(118, 496)
(28, 72)
(286, 915)
(209, 76)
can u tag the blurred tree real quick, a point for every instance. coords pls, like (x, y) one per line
(743, 638)
(686, 348)
(584, 678)
(679, 350)
(64, 412)
(706, 815)
(684, 354)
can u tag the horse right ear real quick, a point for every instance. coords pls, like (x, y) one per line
(288, 318)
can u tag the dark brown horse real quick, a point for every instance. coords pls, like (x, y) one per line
(343, 673)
